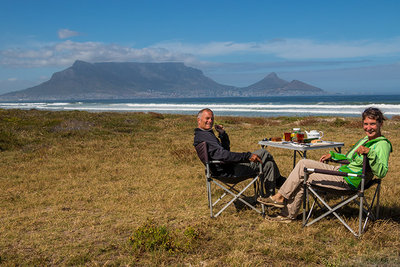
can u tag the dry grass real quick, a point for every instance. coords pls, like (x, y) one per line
(75, 186)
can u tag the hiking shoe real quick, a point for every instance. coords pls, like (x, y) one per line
(270, 202)
(279, 218)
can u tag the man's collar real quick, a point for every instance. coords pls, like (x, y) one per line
(204, 130)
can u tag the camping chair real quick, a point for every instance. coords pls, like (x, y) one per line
(227, 184)
(320, 193)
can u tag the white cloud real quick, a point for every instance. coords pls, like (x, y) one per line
(291, 48)
(64, 53)
(12, 79)
(65, 33)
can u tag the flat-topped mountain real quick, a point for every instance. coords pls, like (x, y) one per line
(111, 80)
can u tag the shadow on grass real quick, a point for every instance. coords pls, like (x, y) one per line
(390, 213)
(386, 213)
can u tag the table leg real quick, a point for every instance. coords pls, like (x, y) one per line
(303, 155)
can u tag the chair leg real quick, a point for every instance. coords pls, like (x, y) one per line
(210, 204)
(360, 216)
(378, 190)
(305, 197)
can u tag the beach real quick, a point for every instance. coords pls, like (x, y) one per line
(86, 188)
(321, 105)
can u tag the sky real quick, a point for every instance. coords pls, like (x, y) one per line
(350, 46)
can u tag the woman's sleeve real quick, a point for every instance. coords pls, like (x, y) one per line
(378, 158)
(337, 156)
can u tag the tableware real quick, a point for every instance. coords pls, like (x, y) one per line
(314, 134)
(300, 137)
(288, 136)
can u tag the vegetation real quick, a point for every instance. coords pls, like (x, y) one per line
(81, 188)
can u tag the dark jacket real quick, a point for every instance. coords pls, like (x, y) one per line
(219, 149)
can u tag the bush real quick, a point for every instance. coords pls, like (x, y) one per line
(396, 118)
(8, 140)
(151, 237)
(340, 122)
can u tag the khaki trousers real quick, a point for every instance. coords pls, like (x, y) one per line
(292, 189)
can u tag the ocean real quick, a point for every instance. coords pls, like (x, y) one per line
(335, 105)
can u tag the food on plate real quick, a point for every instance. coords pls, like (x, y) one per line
(316, 141)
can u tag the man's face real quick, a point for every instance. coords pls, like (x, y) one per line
(372, 128)
(206, 120)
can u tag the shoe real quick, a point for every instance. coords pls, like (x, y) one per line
(279, 218)
(270, 202)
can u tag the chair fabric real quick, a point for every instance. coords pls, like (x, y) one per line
(228, 184)
(319, 194)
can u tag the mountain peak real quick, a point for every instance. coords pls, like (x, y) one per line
(270, 81)
(273, 85)
(272, 75)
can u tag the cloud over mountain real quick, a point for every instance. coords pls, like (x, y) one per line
(66, 33)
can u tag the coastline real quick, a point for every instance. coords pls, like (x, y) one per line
(231, 106)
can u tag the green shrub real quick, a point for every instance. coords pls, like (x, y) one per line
(8, 140)
(151, 237)
(340, 122)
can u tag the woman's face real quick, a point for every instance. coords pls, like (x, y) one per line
(372, 128)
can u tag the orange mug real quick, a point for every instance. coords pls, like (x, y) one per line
(288, 136)
(300, 137)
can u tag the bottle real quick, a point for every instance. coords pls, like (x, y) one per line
(294, 132)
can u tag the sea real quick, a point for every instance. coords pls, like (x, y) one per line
(273, 106)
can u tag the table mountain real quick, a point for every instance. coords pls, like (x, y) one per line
(112, 80)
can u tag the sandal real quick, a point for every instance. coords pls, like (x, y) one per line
(270, 202)
(279, 218)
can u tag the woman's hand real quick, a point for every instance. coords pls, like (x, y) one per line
(325, 157)
(362, 150)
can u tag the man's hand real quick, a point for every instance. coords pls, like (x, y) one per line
(255, 158)
(362, 150)
(325, 157)
(219, 128)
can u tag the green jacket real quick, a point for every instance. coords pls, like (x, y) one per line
(378, 157)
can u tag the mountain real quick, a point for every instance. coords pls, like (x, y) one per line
(270, 82)
(273, 85)
(112, 80)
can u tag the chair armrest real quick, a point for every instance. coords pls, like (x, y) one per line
(329, 172)
(342, 161)
(215, 162)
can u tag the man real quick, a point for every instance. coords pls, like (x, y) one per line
(240, 163)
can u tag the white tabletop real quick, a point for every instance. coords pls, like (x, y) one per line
(301, 146)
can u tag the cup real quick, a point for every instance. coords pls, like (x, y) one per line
(288, 136)
(300, 137)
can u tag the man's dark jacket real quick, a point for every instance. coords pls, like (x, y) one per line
(219, 149)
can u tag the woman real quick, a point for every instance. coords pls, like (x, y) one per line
(374, 145)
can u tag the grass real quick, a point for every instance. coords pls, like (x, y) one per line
(80, 188)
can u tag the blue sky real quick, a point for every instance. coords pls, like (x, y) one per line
(340, 46)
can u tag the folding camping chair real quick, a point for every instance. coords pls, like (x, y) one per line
(320, 193)
(227, 184)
